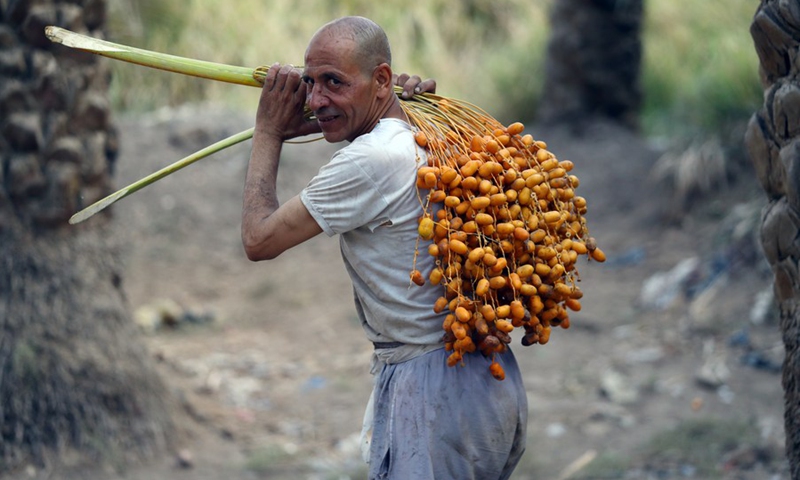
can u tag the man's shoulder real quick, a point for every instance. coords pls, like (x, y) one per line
(390, 137)
(386, 132)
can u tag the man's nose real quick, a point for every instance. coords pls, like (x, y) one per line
(315, 99)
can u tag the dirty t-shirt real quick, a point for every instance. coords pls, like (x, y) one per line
(367, 194)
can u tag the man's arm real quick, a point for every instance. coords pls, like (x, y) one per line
(269, 228)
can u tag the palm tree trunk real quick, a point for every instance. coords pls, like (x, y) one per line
(74, 375)
(593, 63)
(773, 142)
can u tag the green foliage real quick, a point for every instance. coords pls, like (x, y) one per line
(701, 443)
(700, 69)
(473, 48)
(266, 459)
(698, 445)
(699, 66)
(26, 362)
(605, 466)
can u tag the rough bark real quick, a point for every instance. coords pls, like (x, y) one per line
(773, 142)
(593, 62)
(74, 376)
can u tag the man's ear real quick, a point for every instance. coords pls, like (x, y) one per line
(382, 76)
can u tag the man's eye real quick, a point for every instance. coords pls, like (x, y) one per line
(334, 82)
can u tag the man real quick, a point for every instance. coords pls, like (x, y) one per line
(425, 420)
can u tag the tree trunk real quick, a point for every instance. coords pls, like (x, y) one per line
(593, 62)
(773, 142)
(74, 376)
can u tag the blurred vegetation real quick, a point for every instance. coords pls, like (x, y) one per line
(699, 69)
(695, 448)
(700, 445)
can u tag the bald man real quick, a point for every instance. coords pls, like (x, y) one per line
(425, 420)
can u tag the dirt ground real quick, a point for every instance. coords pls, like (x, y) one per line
(271, 367)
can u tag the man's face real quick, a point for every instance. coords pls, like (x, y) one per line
(341, 96)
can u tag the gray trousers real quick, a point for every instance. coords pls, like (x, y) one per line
(432, 421)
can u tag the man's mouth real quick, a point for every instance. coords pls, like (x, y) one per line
(323, 119)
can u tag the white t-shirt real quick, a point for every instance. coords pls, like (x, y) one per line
(367, 194)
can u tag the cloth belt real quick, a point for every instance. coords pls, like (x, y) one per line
(379, 345)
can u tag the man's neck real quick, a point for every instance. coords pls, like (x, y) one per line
(394, 110)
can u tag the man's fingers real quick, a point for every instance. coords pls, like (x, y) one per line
(283, 79)
(271, 78)
(413, 84)
(410, 86)
(428, 86)
(401, 79)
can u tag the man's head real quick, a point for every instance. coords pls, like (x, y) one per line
(349, 77)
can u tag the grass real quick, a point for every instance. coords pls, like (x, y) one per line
(260, 33)
(701, 444)
(696, 446)
(700, 67)
(265, 459)
(699, 71)
(274, 461)
(606, 466)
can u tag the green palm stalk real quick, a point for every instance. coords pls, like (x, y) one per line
(153, 177)
(171, 63)
(161, 61)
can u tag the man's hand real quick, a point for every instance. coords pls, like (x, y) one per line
(413, 84)
(269, 228)
(281, 108)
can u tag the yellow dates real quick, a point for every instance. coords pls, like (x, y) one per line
(506, 232)
(463, 315)
(484, 219)
(436, 276)
(482, 288)
(451, 201)
(479, 203)
(426, 228)
(598, 255)
(496, 283)
(496, 370)
(440, 305)
(458, 246)
(503, 311)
